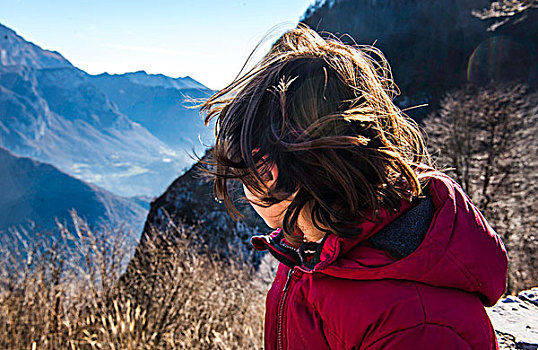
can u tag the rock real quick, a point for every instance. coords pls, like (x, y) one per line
(530, 296)
(515, 319)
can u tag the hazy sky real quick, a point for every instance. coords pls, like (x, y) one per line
(206, 39)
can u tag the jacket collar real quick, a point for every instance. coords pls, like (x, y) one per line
(316, 256)
(306, 255)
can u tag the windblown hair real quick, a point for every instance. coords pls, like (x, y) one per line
(322, 112)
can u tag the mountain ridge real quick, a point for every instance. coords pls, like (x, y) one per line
(30, 55)
(143, 78)
(57, 113)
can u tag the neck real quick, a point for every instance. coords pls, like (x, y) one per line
(306, 231)
(309, 232)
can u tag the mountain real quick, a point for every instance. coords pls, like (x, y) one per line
(14, 50)
(153, 80)
(435, 46)
(57, 113)
(39, 192)
(161, 104)
(57, 116)
(189, 202)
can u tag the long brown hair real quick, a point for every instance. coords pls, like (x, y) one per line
(322, 112)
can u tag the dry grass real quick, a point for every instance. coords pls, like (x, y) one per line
(64, 294)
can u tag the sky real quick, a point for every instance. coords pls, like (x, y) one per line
(208, 40)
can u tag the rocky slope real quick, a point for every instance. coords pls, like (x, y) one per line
(189, 203)
(190, 200)
(14, 51)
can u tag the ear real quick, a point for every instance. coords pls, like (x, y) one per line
(272, 176)
(269, 173)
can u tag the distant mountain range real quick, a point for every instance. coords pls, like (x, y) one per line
(39, 193)
(161, 104)
(128, 133)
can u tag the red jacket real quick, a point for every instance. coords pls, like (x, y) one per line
(353, 294)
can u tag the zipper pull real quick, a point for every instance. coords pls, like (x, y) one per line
(290, 272)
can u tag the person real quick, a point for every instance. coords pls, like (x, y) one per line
(376, 248)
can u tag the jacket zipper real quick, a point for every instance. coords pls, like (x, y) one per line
(281, 310)
(296, 250)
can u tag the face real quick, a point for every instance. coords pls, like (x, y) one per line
(273, 215)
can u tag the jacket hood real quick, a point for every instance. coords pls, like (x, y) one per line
(458, 248)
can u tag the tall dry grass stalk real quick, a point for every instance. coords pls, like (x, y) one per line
(64, 294)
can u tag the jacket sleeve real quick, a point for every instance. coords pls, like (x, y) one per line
(423, 336)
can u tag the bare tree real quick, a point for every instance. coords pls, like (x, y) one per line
(487, 138)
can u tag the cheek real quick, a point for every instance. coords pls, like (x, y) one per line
(250, 196)
(271, 215)
(252, 199)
